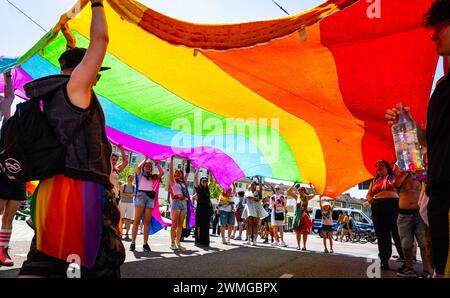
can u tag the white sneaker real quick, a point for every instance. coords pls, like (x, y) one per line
(248, 242)
(274, 244)
(173, 246)
(224, 241)
(254, 243)
(181, 247)
(283, 244)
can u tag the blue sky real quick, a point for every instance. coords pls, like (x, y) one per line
(19, 32)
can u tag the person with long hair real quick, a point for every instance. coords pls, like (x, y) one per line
(204, 209)
(302, 221)
(278, 207)
(12, 194)
(145, 199)
(253, 211)
(180, 196)
(384, 201)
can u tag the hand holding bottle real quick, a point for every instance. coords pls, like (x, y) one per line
(392, 115)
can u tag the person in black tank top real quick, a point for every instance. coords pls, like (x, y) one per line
(204, 209)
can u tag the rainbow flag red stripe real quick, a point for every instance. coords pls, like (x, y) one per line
(68, 216)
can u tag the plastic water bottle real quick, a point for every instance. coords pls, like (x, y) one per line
(407, 148)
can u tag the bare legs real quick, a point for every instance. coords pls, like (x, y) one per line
(10, 207)
(329, 236)
(177, 227)
(147, 220)
(137, 219)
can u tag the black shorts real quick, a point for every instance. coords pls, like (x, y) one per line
(12, 191)
(326, 228)
(265, 220)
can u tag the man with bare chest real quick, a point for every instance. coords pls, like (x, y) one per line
(410, 223)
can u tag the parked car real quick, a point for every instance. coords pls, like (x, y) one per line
(362, 221)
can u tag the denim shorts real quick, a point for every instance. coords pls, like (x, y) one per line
(226, 218)
(179, 205)
(143, 200)
(410, 226)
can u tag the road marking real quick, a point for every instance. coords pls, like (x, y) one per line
(287, 275)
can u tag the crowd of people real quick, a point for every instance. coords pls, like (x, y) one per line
(92, 196)
(261, 215)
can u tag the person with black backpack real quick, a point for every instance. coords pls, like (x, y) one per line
(12, 194)
(75, 217)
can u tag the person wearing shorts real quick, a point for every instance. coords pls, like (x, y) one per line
(226, 213)
(127, 204)
(278, 207)
(179, 205)
(12, 194)
(180, 194)
(327, 224)
(147, 189)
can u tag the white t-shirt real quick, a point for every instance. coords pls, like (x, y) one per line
(249, 193)
(176, 188)
(327, 218)
(225, 207)
(144, 184)
(279, 206)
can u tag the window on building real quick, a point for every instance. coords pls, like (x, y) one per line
(365, 185)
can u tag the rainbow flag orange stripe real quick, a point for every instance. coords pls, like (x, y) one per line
(68, 216)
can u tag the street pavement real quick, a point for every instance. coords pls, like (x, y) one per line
(349, 260)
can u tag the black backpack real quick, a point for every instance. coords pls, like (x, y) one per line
(29, 149)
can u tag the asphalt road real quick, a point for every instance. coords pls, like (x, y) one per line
(349, 260)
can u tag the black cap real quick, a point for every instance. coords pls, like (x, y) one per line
(71, 58)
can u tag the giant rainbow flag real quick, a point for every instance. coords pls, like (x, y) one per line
(297, 98)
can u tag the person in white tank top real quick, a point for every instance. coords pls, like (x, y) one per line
(145, 199)
(278, 207)
(180, 195)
